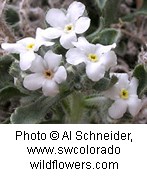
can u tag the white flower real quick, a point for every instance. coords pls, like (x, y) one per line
(26, 48)
(47, 74)
(124, 93)
(98, 58)
(66, 24)
(41, 39)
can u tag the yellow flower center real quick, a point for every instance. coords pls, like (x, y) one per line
(30, 46)
(48, 74)
(68, 28)
(93, 57)
(124, 94)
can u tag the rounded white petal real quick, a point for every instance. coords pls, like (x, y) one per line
(34, 81)
(60, 75)
(52, 33)
(26, 60)
(95, 71)
(50, 88)
(112, 93)
(133, 86)
(117, 109)
(53, 60)
(41, 39)
(26, 41)
(67, 39)
(37, 64)
(56, 18)
(75, 10)
(82, 24)
(84, 45)
(109, 59)
(134, 105)
(123, 81)
(104, 48)
(74, 56)
(12, 47)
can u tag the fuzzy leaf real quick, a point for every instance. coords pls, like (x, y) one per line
(101, 3)
(140, 73)
(111, 12)
(15, 69)
(5, 77)
(105, 83)
(8, 92)
(76, 104)
(101, 104)
(107, 36)
(96, 33)
(11, 16)
(35, 112)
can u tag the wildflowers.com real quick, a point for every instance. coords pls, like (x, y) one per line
(71, 70)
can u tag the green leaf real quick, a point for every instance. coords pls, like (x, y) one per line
(15, 69)
(76, 104)
(8, 92)
(96, 33)
(11, 16)
(34, 112)
(111, 12)
(101, 3)
(105, 83)
(107, 36)
(140, 72)
(16, 72)
(5, 77)
(121, 48)
(101, 104)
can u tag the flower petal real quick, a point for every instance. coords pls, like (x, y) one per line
(134, 105)
(26, 60)
(95, 71)
(60, 75)
(74, 56)
(112, 93)
(37, 64)
(41, 39)
(53, 60)
(26, 41)
(75, 10)
(12, 47)
(109, 59)
(123, 81)
(67, 39)
(117, 109)
(52, 33)
(50, 88)
(84, 45)
(82, 24)
(34, 81)
(104, 48)
(133, 86)
(56, 18)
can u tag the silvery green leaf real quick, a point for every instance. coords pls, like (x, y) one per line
(140, 72)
